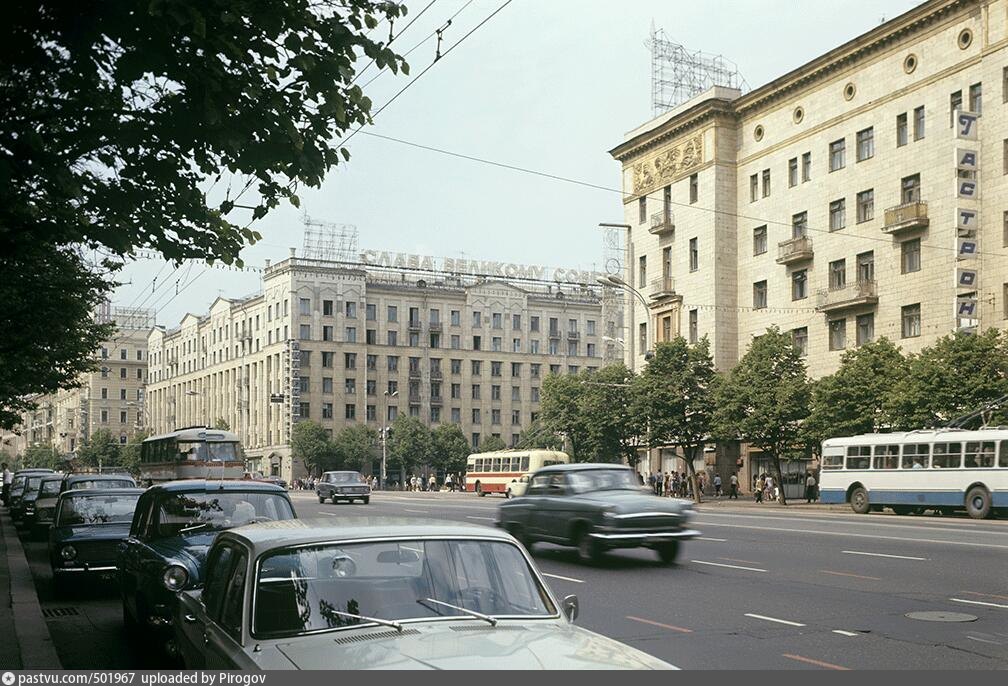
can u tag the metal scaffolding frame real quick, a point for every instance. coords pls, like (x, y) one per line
(615, 335)
(329, 241)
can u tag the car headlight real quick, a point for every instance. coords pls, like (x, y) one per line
(68, 552)
(175, 577)
(609, 514)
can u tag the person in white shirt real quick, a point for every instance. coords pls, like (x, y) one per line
(8, 478)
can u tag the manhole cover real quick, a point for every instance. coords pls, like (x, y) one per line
(59, 612)
(939, 616)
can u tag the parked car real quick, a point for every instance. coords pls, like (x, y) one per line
(517, 487)
(108, 480)
(348, 486)
(361, 593)
(275, 480)
(173, 526)
(17, 489)
(38, 514)
(88, 526)
(25, 508)
(596, 507)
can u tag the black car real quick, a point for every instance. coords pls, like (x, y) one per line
(596, 507)
(348, 486)
(107, 480)
(18, 488)
(172, 528)
(27, 495)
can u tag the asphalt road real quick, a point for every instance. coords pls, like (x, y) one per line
(762, 589)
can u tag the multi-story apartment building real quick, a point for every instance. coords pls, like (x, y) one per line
(341, 344)
(829, 202)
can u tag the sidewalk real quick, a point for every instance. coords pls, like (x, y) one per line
(25, 642)
(747, 502)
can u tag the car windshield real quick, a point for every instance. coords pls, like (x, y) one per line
(591, 480)
(345, 478)
(182, 513)
(50, 488)
(208, 450)
(332, 586)
(32, 484)
(80, 510)
(102, 483)
(17, 483)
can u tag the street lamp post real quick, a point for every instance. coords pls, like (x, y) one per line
(384, 437)
(618, 282)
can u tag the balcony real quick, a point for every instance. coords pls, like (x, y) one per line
(414, 373)
(662, 223)
(415, 325)
(573, 335)
(437, 400)
(435, 327)
(909, 216)
(435, 374)
(795, 250)
(554, 333)
(414, 398)
(663, 289)
(852, 295)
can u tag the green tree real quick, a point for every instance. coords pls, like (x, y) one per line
(563, 414)
(310, 444)
(129, 456)
(410, 445)
(765, 399)
(492, 444)
(450, 448)
(355, 445)
(677, 399)
(956, 375)
(852, 400)
(42, 456)
(222, 424)
(101, 449)
(538, 435)
(612, 405)
(121, 122)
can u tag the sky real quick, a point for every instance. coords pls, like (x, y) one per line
(549, 85)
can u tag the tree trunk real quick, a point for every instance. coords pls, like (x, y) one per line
(694, 482)
(777, 477)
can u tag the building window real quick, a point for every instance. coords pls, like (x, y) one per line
(304, 306)
(836, 154)
(642, 209)
(759, 295)
(371, 312)
(350, 386)
(799, 339)
(393, 313)
(976, 98)
(642, 271)
(456, 318)
(495, 392)
(865, 328)
(837, 334)
(911, 318)
(304, 332)
(753, 187)
(766, 183)
(865, 144)
(694, 255)
(351, 412)
(759, 240)
(799, 224)
(911, 255)
(475, 391)
(495, 416)
(516, 322)
(476, 415)
(350, 360)
(327, 411)
(837, 274)
(902, 130)
(955, 104)
(327, 308)
(693, 326)
(1004, 229)
(327, 333)
(642, 337)
(806, 167)
(866, 205)
(866, 267)
(391, 337)
(799, 285)
(918, 123)
(477, 343)
(496, 320)
(838, 214)
(350, 309)
(694, 188)
(792, 172)
(370, 414)
(910, 189)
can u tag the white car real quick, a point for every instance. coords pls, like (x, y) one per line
(516, 487)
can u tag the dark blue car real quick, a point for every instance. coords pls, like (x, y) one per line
(172, 529)
(88, 527)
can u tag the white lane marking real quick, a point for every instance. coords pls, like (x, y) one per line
(979, 602)
(417, 511)
(901, 539)
(895, 557)
(708, 538)
(331, 514)
(983, 640)
(719, 564)
(844, 633)
(860, 520)
(774, 619)
(488, 519)
(562, 578)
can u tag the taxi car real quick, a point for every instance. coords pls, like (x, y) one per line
(596, 507)
(337, 486)
(383, 593)
(172, 528)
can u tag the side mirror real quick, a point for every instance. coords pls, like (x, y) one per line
(570, 607)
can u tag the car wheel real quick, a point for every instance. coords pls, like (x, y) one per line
(59, 585)
(901, 509)
(507, 494)
(321, 499)
(667, 552)
(367, 500)
(129, 622)
(859, 500)
(518, 531)
(588, 548)
(334, 501)
(978, 503)
(479, 489)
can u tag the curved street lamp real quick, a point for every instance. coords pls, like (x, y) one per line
(615, 281)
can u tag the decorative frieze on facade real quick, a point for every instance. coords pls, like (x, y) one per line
(672, 163)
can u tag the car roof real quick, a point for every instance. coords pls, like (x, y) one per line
(340, 471)
(34, 470)
(290, 532)
(52, 477)
(580, 466)
(101, 491)
(208, 486)
(84, 476)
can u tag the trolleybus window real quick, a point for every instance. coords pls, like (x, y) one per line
(915, 455)
(887, 457)
(496, 464)
(832, 461)
(1003, 454)
(946, 456)
(525, 463)
(979, 455)
(859, 457)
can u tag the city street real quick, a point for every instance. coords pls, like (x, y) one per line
(762, 589)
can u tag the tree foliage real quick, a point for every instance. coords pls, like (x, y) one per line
(355, 446)
(563, 414)
(163, 125)
(612, 404)
(765, 398)
(129, 455)
(101, 449)
(222, 424)
(538, 435)
(450, 448)
(492, 444)
(310, 444)
(410, 444)
(42, 456)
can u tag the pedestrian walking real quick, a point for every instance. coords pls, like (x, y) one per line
(770, 493)
(448, 482)
(717, 485)
(651, 483)
(810, 488)
(432, 483)
(8, 479)
(733, 485)
(758, 488)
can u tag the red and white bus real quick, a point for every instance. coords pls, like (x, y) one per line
(492, 472)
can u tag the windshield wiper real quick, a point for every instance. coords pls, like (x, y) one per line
(384, 622)
(472, 613)
(193, 527)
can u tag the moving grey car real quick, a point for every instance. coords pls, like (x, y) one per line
(596, 507)
(337, 486)
(383, 593)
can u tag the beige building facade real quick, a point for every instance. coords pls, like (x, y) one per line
(333, 342)
(826, 201)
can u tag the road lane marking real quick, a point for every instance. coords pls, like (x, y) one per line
(818, 663)
(747, 562)
(670, 627)
(979, 602)
(331, 514)
(774, 619)
(417, 511)
(985, 595)
(718, 564)
(844, 633)
(860, 520)
(983, 640)
(708, 538)
(895, 557)
(856, 576)
(489, 519)
(562, 578)
(901, 539)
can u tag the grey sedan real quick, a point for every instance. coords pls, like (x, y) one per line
(383, 593)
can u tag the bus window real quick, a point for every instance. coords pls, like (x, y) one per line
(859, 457)
(832, 461)
(979, 455)
(506, 464)
(1003, 455)
(525, 463)
(471, 465)
(886, 457)
(915, 455)
(496, 464)
(946, 456)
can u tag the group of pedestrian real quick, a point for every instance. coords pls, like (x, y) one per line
(679, 485)
(452, 482)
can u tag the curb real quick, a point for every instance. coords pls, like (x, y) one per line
(30, 628)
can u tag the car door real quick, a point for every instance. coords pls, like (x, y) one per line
(522, 510)
(196, 612)
(129, 555)
(551, 512)
(224, 631)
